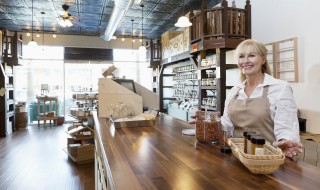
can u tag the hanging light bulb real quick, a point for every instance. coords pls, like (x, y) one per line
(183, 21)
(142, 48)
(38, 35)
(54, 35)
(32, 43)
(28, 34)
(123, 39)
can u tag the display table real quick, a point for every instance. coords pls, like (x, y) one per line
(47, 114)
(160, 157)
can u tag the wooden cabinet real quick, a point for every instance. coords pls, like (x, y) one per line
(10, 56)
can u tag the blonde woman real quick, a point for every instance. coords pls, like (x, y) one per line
(262, 103)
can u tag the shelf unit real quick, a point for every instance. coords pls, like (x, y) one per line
(283, 59)
(80, 147)
(11, 55)
(51, 113)
(86, 102)
(213, 33)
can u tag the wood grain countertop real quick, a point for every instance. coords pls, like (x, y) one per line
(160, 157)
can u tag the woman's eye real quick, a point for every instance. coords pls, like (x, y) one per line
(252, 55)
(241, 56)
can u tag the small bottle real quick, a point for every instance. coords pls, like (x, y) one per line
(257, 143)
(245, 142)
(249, 134)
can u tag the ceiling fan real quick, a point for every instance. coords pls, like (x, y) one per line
(65, 18)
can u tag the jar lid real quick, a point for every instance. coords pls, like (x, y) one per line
(249, 134)
(256, 139)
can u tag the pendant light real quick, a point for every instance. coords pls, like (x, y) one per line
(32, 43)
(132, 36)
(43, 13)
(183, 21)
(142, 48)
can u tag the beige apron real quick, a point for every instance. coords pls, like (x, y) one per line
(252, 114)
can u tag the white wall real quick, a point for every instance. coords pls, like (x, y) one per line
(275, 20)
(81, 41)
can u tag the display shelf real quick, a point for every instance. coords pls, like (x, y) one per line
(51, 113)
(80, 147)
(77, 160)
(9, 57)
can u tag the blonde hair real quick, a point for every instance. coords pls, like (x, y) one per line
(256, 47)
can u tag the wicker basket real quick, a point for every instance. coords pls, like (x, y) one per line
(258, 164)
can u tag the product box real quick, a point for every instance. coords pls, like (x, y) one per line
(313, 155)
(309, 144)
(310, 161)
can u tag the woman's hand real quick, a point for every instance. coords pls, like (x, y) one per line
(289, 148)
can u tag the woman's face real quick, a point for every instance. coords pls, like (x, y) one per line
(250, 62)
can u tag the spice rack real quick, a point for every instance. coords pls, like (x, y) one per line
(283, 59)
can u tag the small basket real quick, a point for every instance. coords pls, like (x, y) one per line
(257, 164)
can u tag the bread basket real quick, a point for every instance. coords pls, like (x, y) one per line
(257, 164)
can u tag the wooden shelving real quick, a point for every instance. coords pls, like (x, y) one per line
(10, 56)
(213, 33)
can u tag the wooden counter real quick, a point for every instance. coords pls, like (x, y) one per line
(161, 157)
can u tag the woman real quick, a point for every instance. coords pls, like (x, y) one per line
(262, 103)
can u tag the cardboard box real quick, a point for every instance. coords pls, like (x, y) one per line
(310, 161)
(309, 144)
(313, 155)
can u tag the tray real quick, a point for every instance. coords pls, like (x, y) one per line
(258, 164)
(136, 123)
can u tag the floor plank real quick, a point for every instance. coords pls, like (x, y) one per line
(33, 159)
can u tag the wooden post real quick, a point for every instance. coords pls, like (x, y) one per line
(248, 19)
(224, 15)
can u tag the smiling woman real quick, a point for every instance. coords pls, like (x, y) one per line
(261, 103)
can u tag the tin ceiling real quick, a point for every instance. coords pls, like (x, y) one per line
(92, 16)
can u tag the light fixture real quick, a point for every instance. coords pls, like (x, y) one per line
(43, 13)
(32, 43)
(123, 39)
(183, 21)
(28, 34)
(38, 35)
(65, 22)
(54, 35)
(142, 48)
(132, 36)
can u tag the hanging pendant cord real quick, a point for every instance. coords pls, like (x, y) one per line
(142, 24)
(132, 34)
(32, 21)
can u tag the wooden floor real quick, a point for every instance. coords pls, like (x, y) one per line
(33, 159)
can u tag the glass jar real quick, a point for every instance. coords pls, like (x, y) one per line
(208, 127)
